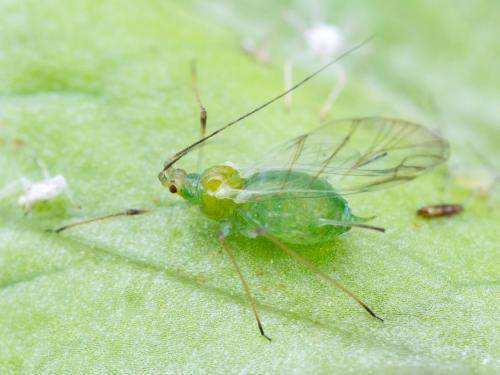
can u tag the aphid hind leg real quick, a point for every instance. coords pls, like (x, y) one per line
(128, 212)
(222, 239)
(292, 253)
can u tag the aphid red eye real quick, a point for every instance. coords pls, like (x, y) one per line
(173, 189)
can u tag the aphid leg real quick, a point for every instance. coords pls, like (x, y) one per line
(334, 93)
(262, 232)
(203, 111)
(249, 296)
(129, 212)
(350, 224)
(44, 169)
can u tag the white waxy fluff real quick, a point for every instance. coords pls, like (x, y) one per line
(41, 190)
(324, 40)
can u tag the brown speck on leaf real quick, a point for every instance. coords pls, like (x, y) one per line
(19, 143)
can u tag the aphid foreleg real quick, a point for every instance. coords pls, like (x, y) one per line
(129, 212)
(222, 239)
(262, 232)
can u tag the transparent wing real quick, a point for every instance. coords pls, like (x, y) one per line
(353, 155)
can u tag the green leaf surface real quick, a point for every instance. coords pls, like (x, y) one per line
(100, 92)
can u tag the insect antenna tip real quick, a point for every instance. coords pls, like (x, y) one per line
(55, 230)
(372, 313)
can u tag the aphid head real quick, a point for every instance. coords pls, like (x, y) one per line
(177, 181)
(173, 180)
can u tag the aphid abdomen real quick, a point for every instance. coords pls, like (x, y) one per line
(294, 211)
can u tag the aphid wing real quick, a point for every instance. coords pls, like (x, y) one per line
(360, 154)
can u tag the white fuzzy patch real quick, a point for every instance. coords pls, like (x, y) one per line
(41, 190)
(324, 39)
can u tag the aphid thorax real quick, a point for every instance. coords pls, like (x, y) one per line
(210, 190)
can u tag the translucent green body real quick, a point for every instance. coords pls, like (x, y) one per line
(294, 217)
(293, 206)
(289, 194)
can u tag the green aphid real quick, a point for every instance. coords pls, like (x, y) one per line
(296, 194)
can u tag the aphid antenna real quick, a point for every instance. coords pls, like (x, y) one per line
(170, 162)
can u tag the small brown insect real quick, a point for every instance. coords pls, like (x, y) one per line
(439, 210)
